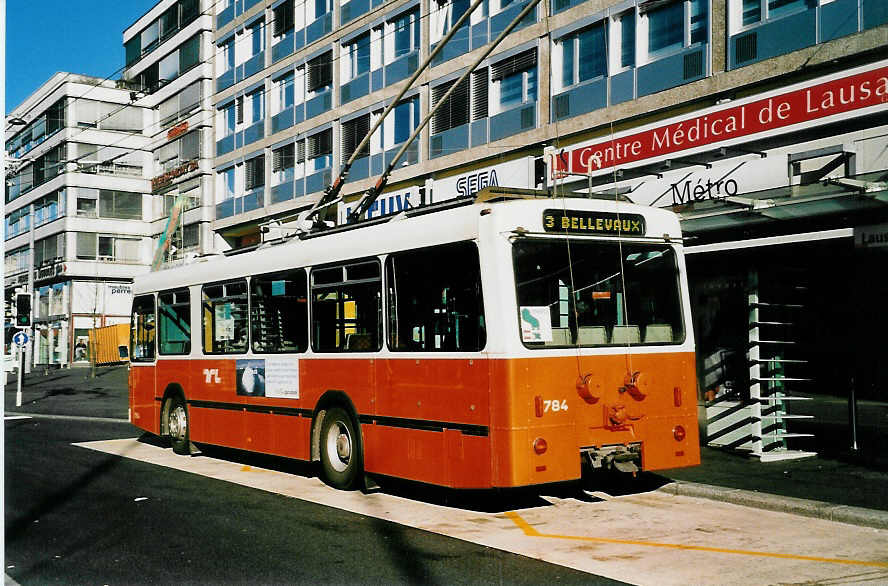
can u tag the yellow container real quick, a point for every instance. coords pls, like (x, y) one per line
(110, 344)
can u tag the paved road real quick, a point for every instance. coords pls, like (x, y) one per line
(75, 515)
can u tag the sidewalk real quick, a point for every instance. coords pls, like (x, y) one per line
(838, 486)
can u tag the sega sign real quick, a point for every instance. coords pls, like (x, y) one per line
(517, 173)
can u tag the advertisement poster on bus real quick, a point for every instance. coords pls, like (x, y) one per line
(536, 324)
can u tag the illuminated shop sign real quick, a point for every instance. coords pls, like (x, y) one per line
(162, 181)
(843, 95)
(580, 222)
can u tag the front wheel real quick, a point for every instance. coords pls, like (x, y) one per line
(177, 425)
(341, 459)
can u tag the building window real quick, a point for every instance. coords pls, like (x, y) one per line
(318, 8)
(225, 56)
(583, 55)
(254, 173)
(284, 19)
(283, 164)
(319, 73)
(445, 15)
(400, 36)
(49, 250)
(225, 184)
(18, 222)
(320, 150)
(356, 57)
(91, 246)
(400, 125)
(256, 107)
(515, 79)
(455, 112)
(676, 25)
(282, 93)
(626, 31)
(257, 37)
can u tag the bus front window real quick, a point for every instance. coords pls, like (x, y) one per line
(597, 293)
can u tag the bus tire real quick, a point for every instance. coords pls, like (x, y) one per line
(340, 447)
(177, 426)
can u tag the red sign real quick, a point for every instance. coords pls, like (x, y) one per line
(177, 130)
(167, 178)
(819, 101)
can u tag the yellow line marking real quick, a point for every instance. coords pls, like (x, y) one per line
(531, 532)
(245, 469)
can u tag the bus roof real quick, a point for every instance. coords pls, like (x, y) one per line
(503, 211)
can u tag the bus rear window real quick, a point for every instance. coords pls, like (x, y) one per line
(597, 293)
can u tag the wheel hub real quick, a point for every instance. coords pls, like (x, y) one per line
(343, 447)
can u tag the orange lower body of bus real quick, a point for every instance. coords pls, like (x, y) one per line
(460, 423)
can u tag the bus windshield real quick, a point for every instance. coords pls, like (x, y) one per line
(583, 293)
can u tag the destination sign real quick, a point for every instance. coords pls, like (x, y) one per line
(580, 222)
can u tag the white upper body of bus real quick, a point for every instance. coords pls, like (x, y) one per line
(581, 251)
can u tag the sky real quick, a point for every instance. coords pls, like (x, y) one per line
(77, 36)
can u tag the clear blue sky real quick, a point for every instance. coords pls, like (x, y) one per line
(78, 36)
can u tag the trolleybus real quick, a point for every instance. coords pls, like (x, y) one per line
(499, 342)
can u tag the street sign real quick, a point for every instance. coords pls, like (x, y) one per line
(20, 339)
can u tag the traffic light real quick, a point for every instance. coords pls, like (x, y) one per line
(23, 310)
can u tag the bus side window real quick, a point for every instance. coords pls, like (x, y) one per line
(174, 322)
(279, 312)
(225, 317)
(346, 307)
(434, 299)
(142, 330)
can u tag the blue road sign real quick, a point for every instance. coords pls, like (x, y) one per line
(20, 339)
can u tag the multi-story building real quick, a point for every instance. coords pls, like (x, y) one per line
(169, 70)
(762, 122)
(76, 203)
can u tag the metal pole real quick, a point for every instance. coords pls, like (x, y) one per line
(367, 200)
(21, 374)
(852, 409)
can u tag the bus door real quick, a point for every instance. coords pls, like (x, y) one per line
(144, 412)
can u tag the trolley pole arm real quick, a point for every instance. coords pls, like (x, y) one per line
(371, 194)
(332, 191)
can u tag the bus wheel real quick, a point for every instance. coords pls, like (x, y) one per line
(340, 449)
(177, 424)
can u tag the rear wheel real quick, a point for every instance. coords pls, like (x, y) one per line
(177, 425)
(340, 447)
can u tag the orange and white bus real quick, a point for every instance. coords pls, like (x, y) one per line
(499, 343)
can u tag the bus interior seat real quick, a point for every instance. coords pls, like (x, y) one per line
(657, 333)
(357, 342)
(626, 335)
(592, 335)
(561, 336)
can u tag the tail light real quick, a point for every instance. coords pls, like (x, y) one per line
(540, 446)
(678, 432)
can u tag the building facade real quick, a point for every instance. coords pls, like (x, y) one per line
(761, 122)
(169, 70)
(76, 204)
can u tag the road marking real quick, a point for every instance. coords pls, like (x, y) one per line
(15, 417)
(531, 532)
